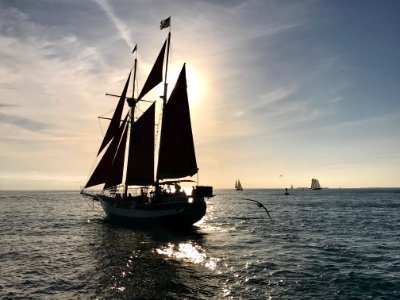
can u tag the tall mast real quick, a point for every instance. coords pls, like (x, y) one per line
(164, 97)
(166, 69)
(132, 104)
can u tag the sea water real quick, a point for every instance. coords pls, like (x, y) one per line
(327, 244)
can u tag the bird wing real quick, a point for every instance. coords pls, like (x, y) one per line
(260, 205)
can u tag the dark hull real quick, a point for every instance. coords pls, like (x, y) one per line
(175, 214)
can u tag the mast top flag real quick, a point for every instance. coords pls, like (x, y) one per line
(165, 23)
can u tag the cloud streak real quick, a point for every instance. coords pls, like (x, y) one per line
(24, 123)
(122, 29)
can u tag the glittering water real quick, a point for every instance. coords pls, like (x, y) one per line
(330, 244)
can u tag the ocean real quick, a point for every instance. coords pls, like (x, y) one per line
(327, 244)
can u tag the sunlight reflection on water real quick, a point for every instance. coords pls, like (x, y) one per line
(188, 252)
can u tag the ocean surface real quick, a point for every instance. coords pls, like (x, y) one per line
(328, 244)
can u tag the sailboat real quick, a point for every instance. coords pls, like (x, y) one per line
(133, 189)
(315, 184)
(238, 185)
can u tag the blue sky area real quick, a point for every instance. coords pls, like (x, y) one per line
(301, 89)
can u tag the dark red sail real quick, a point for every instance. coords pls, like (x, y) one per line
(156, 74)
(140, 169)
(114, 176)
(177, 157)
(99, 175)
(116, 119)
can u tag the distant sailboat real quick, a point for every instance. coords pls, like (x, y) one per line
(238, 185)
(315, 184)
(131, 191)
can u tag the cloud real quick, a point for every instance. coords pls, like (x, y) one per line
(28, 124)
(121, 27)
(6, 105)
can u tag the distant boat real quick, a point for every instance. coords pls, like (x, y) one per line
(315, 184)
(131, 190)
(286, 191)
(238, 185)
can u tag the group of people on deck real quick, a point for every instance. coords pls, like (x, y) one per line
(143, 197)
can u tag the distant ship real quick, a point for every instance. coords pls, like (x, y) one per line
(315, 184)
(238, 185)
(131, 190)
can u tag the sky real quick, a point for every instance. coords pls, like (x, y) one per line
(280, 91)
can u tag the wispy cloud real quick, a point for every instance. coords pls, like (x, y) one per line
(7, 105)
(28, 124)
(336, 99)
(120, 25)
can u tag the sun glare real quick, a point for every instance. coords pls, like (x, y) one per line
(193, 85)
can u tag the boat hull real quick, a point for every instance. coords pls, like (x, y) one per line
(173, 213)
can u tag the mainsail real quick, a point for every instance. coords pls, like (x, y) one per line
(140, 169)
(177, 156)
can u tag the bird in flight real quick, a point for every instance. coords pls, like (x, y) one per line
(260, 205)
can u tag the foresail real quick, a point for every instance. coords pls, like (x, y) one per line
(115, 174)
(140, 169)
(156, 74)
(116, 119)
(99, 175)
(177, 156)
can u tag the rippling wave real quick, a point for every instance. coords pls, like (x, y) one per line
(331, 244)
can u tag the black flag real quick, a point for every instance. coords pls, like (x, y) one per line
(165, 23)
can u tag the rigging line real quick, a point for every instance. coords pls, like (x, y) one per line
(101, 117)
(97, 210)
(101, 128)
(91, 170)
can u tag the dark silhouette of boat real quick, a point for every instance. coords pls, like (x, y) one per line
(127, 156)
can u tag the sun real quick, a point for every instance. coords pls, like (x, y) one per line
(193, 84)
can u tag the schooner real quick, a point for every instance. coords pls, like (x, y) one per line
(133, 189)
(315, 184)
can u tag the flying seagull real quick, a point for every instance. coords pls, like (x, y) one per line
(260, 205)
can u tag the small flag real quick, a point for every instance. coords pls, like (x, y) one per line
(134, 49)
(165, 23)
